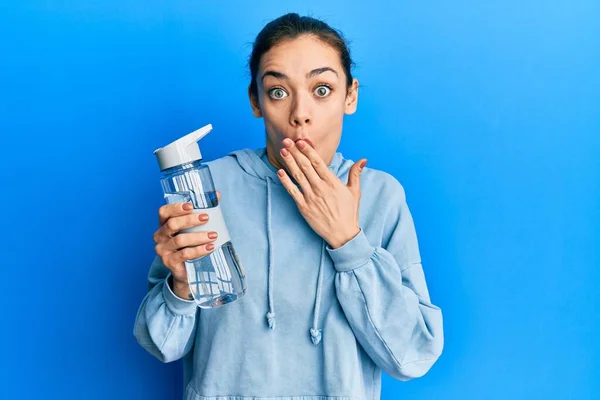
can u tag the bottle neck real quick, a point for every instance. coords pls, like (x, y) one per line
(183, 167)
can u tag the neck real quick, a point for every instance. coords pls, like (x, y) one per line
(273, 160)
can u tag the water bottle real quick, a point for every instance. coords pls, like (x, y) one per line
(217, 278)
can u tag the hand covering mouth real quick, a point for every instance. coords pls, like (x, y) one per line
(307, 140)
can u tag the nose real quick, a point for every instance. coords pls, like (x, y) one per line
(300, 113)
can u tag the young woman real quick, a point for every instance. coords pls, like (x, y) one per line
(336, 292)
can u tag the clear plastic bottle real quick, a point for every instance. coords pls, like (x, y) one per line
(217, 278)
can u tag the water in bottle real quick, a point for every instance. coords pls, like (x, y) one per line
(217, 278)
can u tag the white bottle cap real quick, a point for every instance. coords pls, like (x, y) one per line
(183, 150)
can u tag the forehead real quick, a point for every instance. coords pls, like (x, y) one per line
(301, 55)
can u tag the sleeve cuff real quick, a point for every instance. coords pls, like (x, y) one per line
(176, 304)
(353, 254)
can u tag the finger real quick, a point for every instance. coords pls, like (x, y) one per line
(190, 239)
(299, 166)
(175, 224)
(354, 175)
(291, 188)
(173, 210)
(218, 196)
(319, 166)
(191, 253)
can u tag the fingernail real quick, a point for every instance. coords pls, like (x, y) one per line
(187, 206)
(212, 235)
(301, 144)
(285, 152)
(210, 246)
(203, 217)
(362, 164)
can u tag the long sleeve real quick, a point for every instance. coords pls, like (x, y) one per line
(165, 324)
(383, 293)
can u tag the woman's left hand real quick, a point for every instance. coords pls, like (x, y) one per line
(328, 205)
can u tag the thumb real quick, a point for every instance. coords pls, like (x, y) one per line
(354, 175)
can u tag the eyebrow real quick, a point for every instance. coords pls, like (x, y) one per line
(311, 74)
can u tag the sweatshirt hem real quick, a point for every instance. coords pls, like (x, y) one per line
(192, 395)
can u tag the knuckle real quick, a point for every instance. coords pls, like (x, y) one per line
(167, 262)
(297, 176)
(186, 254)
(302, 207)
(162, 212)
(316, 164)
(310, 196)
(193, 253)
(179, 241)
(305, 166)
(171, 224)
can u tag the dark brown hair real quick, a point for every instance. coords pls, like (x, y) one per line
(292, 26)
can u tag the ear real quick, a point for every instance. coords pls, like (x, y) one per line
(254, 103)
(352, 98)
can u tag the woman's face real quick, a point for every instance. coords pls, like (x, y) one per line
(302, 94)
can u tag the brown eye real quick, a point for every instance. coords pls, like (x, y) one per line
(277, 93)
(322, 91)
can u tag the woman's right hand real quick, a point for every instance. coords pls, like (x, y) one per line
(175, 248)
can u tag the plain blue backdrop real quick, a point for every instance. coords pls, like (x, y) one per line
(487, 112)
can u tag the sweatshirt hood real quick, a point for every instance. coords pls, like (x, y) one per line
(255, 163)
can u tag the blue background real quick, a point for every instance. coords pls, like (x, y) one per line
(487, 112)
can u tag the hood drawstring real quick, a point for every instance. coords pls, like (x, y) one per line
(271, 314)
(315, 332)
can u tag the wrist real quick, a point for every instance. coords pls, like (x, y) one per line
(180, 289)
(344, 238)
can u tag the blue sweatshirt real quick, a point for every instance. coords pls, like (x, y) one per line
(316, 323)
